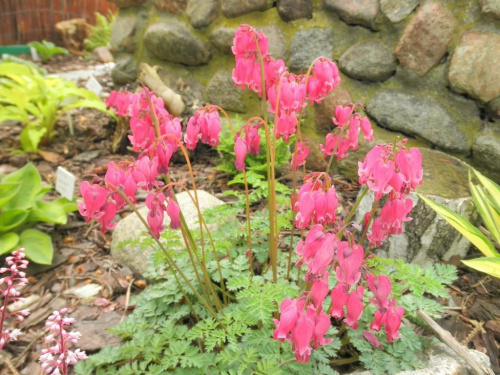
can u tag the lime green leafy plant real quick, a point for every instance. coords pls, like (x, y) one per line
(486, 196)
(100, 34)
(38, 101)
(47, 49)
(21, 207)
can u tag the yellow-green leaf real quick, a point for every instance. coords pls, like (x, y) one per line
(469, 231)
(490, 216)
(489, 265)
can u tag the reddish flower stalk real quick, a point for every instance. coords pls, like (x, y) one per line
(14, 280)
(57, 358)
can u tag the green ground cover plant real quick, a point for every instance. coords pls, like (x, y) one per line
(100, 33)
(294, 288)
(22, 206)
(46, 49)
(39, 101)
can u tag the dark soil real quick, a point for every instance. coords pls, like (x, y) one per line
(82, 253)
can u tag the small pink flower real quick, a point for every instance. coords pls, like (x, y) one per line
(174, 211)
(321, 326)
(289, 313)
(350, 260)
(302, 335)
(410, 167)
(354, 307)
(393, 322)
(342, 114)
(252, 139)
(366, 128)
(325, 77)
(94, 199)
(192, 133)
(210, 126)
(319, 291)
(299, 157)
(145, 173)
(156, 204)
(109, 211)
(339, 297)
(240, 151)
(370, 337)
(286, 126)
(381, 287)
(306, 210)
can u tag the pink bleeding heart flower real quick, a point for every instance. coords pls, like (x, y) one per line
(370, 337)
(339, 297)
(156, 204)
(210, 126)
(240, 151)
(252, 139)
(94, 199)
(366, 128)
(325, 77)
(192, 133)
(319, 291)
(350, 260)
(306, 210)
(381, 287)
(302, 335)
(331, 205)
(378, 320)
(342, 114)
(354, 307)
(123, 181)
(410, 167)
(109, 211)
(299, 157)
(321, 326)
(393, 322)
(289, 313)
(145, 173)
(174, 211)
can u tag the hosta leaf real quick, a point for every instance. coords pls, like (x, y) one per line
(469, 231)
(7, 191)
(31, 183)
(38, 246)
(30, 137)
(12, 219)
(8, 242)
(48, 212)
(489, 265)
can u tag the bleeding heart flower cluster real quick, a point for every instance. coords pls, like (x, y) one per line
(156, 135)
(329, 247)
(287, 93)
(344, 137)
(247, 141)
(392, 171)
(56, 359)
(10, 284)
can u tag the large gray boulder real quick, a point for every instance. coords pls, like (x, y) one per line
(201, 13)
(173, 42)
(475, 66)
(355, 12)
(428, 238)
(137, 257)
(290, 10)
(307, 45)
(486, 154)
(425, 40)
(125, 70)
(222, 92)
(397, 10)
(368, 61)
(122, 33)
(236, 8)
(439, 359)
(416, 116)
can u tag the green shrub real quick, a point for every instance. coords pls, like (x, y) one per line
(100, 34)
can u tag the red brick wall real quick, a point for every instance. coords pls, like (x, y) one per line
(22, 21)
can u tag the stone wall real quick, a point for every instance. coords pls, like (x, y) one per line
(427, 69)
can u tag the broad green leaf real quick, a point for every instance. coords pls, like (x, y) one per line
(12, 219)
(490, 216)
(489, 265)
(38, 246)
(48, 212)
(8, 242)
(31, 183)
(7, 191)
(30, 138)
(13, 113)
(492, 188)
(469, 231)
(12, 68)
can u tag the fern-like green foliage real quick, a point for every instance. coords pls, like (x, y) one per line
(162, 336)
(100, 33)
